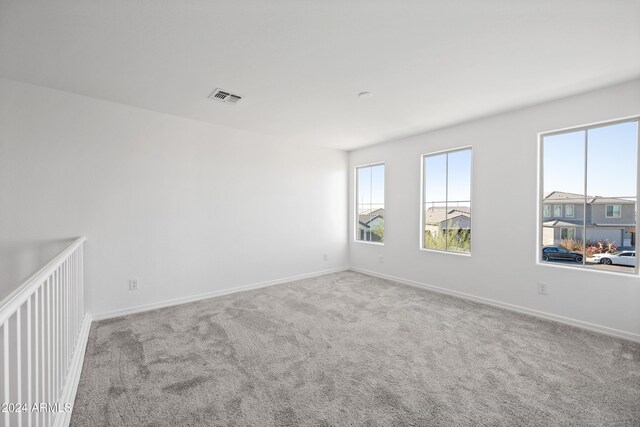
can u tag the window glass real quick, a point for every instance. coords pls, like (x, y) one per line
(589, 178)
(567, 233)
(557, 210)
(447, 201)
(613, 211)
(370, 203)
(568, 211)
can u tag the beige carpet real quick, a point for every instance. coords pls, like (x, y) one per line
(349, 349)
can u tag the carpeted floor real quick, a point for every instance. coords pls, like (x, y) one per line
(349, 349)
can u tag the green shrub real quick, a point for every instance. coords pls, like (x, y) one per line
(451, 240)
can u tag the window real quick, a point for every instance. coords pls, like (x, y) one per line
(567, 233)
(547, 211)
(594, 168)
(613, 211)
(370, 203)
(569, 211)
(557, 211)
(446, 197)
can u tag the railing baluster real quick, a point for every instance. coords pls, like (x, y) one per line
(63, 315)
(74, 295)
(29, 360)
(7, 396)
(60, 296)
(78, 291)
(67, 325)
(43, 390)
(63, 332)
(75, 298)
(69, 316)
(81, 283)
(60, 329)
(73, 316)
(56, 335)
(19, 361)
(49, 349)
(36, 301)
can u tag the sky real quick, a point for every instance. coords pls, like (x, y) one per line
(371, 180)
(611, 168)
(454, 177)
(371, 187)
(611, 161)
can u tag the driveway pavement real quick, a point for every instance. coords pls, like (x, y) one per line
(591, 264)
(618, 268)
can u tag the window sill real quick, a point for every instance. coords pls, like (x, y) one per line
(464, 254)
(578, 267)
(369, 243)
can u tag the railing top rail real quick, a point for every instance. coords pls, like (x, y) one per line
(16, 298)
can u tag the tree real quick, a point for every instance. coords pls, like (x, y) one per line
(378, 229)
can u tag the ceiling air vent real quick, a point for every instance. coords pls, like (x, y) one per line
(224, 96)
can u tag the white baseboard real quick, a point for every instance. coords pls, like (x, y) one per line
(62, 419)
(524, 310)
(198, 297)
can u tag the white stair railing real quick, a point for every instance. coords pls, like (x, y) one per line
(41, 326)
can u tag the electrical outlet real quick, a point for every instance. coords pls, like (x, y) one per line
(381, 259)
(134, 284)
(542, 288)
(326, 257)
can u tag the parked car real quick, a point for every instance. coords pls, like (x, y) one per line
(621, 258)
(555, 253)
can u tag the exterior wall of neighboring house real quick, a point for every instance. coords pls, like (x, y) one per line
(578, 210)
(458, 223)
(376, 222)
(553, 235)
(598, 214)
(364, 230)
(461, 222)
(610, 229)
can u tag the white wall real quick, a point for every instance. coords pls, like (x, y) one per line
(186, 207)
(190, 208)
(503, 265)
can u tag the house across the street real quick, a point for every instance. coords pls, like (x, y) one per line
(370, 221)
(440, 219)
(606, 219)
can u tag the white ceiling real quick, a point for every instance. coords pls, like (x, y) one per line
(300, 63)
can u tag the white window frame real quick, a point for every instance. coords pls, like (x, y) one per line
(356, 219)
(546, 211)
(422, 190)
(540, 195)
(573, 211)
(613, 215)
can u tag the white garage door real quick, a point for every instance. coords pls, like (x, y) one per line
(613, 235)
